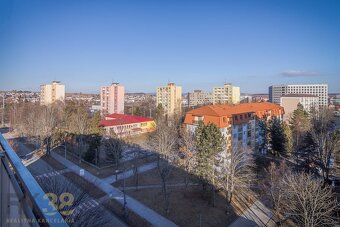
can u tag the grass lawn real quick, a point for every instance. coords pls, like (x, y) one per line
(187, 207)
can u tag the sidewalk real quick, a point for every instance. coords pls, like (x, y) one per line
(140, 209)
(129, 173)
(256, 215)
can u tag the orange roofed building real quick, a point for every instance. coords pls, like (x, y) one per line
(238, 123)
(124, 125)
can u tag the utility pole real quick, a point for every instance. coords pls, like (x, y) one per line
(3, 110)
(65, 147)
(124, 194)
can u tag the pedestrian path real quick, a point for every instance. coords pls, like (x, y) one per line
(140, 209)
(256, 215)
(129, 173)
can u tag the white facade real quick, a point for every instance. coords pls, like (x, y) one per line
(226, 94)
(50, 93)
(112, 99)
(291, 102)
(170, 97)
(319, 90)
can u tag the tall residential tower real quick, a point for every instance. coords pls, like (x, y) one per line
(49, 93)
(226, 94)
(112, 99)
(170, 97)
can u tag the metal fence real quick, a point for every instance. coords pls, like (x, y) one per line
(23, 202)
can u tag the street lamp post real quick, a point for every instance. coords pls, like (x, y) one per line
(3, 110)
(124, 196)
(65, 147)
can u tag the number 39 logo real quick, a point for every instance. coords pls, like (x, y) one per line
(66, 199)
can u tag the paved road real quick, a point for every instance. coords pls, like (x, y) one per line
(42, 169)
(148, 214)
(256, 215)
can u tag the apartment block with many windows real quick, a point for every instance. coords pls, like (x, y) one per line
(228, 94)
(199, 98)
(237, 123)
(319, 90)
(170, 98)
(50, 93)
(112, 99)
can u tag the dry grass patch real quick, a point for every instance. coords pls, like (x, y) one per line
(187, 207)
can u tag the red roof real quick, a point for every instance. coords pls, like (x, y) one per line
(122, 119)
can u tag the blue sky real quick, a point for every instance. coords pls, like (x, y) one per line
(144, 44)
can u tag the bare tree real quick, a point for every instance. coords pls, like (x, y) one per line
(276, 190)
(113, 149)
(326, 141)
(164, 141)
(136, 158)
(48, 121)
(79, 124)
(187, 155)
(308, 203)
(237, 174)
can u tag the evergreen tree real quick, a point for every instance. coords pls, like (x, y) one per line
(299, 124)
(210, 143)
(94, 127)
(92, 153)
(278, 139)
(137, 111)
(264, 134)
(288, 138)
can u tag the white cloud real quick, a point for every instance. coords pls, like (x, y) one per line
(299, 73)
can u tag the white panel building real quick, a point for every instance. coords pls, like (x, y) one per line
(319, 90)
(49, 93)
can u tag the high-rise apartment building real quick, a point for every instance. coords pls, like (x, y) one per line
(199, 98)
(112, 99)
(320, 90)
(49, 93)
(170, 97)
(226, 94)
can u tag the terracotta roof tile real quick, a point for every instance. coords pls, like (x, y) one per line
(122, 119)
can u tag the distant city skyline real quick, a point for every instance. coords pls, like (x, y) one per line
(194, 44)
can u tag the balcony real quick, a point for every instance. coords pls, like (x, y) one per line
(22, 199)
